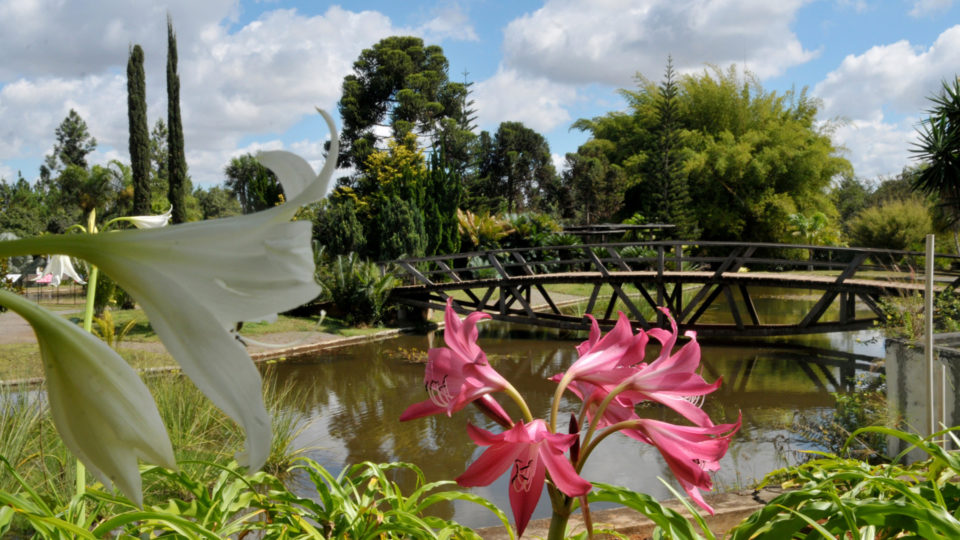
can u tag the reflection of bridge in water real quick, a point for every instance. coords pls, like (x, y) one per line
(525, 285)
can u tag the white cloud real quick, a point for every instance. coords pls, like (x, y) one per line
(615, 39)
(64, 38)
(922, 8)
(882, 93)
(877, 147)
(512, 96)
(256, 82)
(451, 23)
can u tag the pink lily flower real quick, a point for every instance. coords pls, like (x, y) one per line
(619, 356)
(691, 452)
(460, 373)
(529, 450)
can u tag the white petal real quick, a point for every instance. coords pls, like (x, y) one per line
(152, 222)
(57, 267)
(296, 175)
(101, 408)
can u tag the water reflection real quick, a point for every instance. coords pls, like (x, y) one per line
(359, 393)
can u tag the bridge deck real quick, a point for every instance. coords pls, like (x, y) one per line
(851, 282)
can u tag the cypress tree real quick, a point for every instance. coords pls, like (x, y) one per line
(139, 132)
(177, 162)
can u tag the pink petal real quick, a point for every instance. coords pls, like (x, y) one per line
(561, 470)
(421, 409)
(526, 485)
(490, 465)
(585, 347)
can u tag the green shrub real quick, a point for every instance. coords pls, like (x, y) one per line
(895, 224)
(358, 288)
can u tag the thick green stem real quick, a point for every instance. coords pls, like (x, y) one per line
(558, 523)
(87, 327)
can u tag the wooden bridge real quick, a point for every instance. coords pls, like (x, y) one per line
(710, 287)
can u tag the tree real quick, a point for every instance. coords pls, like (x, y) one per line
(139, 142)
(217, 202)
(597, 185)
(176, 160)
(671, 195)
(513, 166)
(73, 144)
(402, 85)
(751, 158)
(938, 148)
(253, 185)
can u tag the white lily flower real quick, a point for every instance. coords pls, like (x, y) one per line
(195, 281)
(58, 267)
(101, 408)
(151, 222)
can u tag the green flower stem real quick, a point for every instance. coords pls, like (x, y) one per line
(557, 395)
(585, 451)
(561, 514)
(586, 441)
(518, 399)
(87, 327)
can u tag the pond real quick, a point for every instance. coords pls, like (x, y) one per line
(358, 393)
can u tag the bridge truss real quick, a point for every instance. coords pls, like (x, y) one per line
(710, 287)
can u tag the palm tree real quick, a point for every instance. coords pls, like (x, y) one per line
(938, 148)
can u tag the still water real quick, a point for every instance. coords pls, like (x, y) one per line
(358, 394)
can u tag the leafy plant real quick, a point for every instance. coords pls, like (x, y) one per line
(481, 231)
(110, 332)
(358, 288)
(832, 497)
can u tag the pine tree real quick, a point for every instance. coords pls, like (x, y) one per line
(177, 162)
(139, 132)
(672, 201)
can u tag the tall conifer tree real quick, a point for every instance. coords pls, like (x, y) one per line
(671, 196)
(177, 162)
(139, 132)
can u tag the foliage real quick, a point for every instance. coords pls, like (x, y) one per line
(109, 331)
(481, 231)
(865, 405)
(177, 185)
(402, 84)
(896, 224)
(337, 226)
(442, 193)
(938, 148)
(363, 501)
(255, 186)
(217, 202)
(597, 185)
(514, 171)
(74, 143)
(529, 229)
(398, 229)
(834, 497)
(358, 288)
(751, 157)
(139, 139)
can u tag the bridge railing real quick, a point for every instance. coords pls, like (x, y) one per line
(671, 256)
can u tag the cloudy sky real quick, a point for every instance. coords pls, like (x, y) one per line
(252, 71)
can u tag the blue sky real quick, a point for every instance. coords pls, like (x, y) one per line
(251, 71)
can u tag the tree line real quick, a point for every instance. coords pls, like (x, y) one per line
(712, 153)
